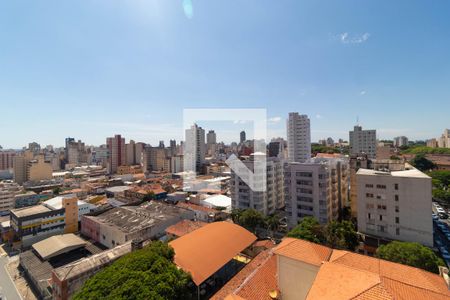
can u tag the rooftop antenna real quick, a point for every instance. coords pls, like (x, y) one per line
(357, 120)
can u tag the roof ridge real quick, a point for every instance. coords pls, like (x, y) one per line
(414, 286)
(369, 288)
(254, 272)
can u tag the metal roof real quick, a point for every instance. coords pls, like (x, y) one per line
(58, 244)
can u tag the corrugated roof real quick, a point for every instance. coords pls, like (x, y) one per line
(205, 250)
(184, 227)
(58, 244)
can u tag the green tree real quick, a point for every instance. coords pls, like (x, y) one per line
(422, 163)
(148, 273)
(341, 235)
(236, 214)
(308, 229)
(412, 254)
(56, 190)
(149, 196)
(272, 223)
(251, 219)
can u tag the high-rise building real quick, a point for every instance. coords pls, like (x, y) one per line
(317, 188)
(39, 169)
(34, 147)
(242, 137)
(155, 159)
(395, 204)
(161, 144)
(299, 137)
(194, 148)
(139, 152)
(444, 140)
(266, 202)
(76, 153)
(116, 149)
(7, 192)
(7, 159)
(363, 142)
(211, 140)
(400, 141)
(130, 150)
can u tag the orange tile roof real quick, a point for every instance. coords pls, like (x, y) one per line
(196, 207)
(239, 280)
(205, 250)
(184, 227)
(305, 251)
(362, 277)
(335, 281)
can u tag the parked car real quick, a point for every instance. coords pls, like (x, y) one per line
(443, 216)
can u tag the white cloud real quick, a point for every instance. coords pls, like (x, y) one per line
(274, 120)
(362, 93)
(319, 116)
(240, 121)
(346, 38)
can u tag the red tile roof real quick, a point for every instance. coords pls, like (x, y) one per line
(184, 227)
(205, 250)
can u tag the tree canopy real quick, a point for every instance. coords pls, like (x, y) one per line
(420, 149)
(148, 273)
(248, 218)
(441, 185)
(422, 163)
(340, 235)
(412, 254)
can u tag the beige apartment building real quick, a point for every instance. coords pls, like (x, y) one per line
(39, 169)
(318, 188)
(395, 204)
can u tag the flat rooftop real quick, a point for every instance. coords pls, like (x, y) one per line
(411, 173)
(29, 211)
(133, 218)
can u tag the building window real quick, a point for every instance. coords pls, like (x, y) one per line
(396, 197)
(397, 209)
(397, 231)
(369, 185)
(397, 220)
(381, 186)
(396, 186)
(369, 195)
(381, 217)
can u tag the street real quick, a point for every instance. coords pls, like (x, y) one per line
(7, 288)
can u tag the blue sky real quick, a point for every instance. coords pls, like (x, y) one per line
(89, 69)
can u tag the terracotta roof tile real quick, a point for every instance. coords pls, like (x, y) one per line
(377, 292)
(184, 227)
(239, 279)
(335, 281)
(305, 251)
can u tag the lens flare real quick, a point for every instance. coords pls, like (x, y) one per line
(188, 8)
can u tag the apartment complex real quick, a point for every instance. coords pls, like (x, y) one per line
(267, 202)
(194, 148)
(317, 188)
(395, 204)
(211, 141)
(400, 141)
(363, 142)
(116, 149)
(8, 190)
(76, 153)
(6, 159)
(444, 140)
(242, 137)
(298, 137)
(156, 159)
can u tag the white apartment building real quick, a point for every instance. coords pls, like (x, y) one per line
(400, 141)
(318, 188)
(444, 140)
(395, 205)
(8, 190)
(363, 142)
(194, 148)
(298, 137)
(243, 197)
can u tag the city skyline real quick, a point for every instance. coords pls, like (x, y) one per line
(131, 68)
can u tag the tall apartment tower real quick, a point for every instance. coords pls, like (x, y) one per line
(318, 188)
(116, 148)
(395, 204)
(243, 137)
(130, 150)
(267, 202)
(211, 141)
(194, 148)
(363, 142)
(298, 137)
